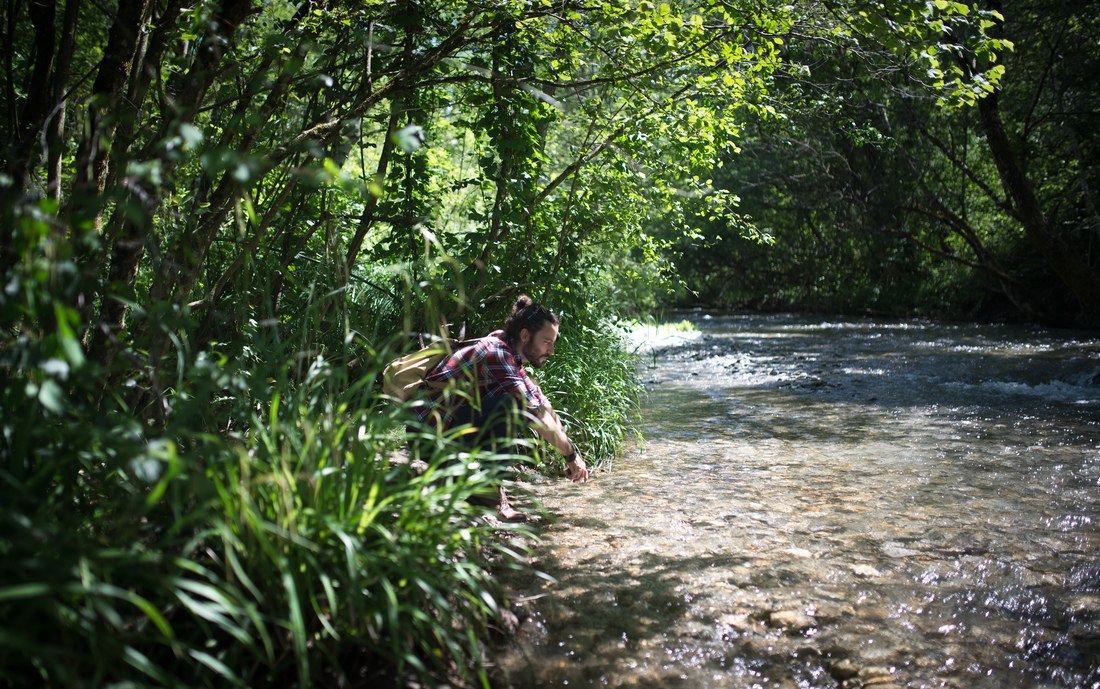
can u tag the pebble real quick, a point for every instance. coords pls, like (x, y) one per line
(843, 669)
(739, 621)
(794, 620)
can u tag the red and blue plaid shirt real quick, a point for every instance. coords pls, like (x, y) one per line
(497, 368)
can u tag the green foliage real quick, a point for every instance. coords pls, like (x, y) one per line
(880, 199)
(219, 520)
(593, 381)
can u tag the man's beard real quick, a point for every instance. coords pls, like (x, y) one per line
(531, 360)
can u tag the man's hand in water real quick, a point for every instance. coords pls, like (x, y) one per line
(575, 470)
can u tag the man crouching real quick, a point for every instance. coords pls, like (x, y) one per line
(493, 389)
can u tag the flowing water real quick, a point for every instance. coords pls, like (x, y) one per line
(833, 504)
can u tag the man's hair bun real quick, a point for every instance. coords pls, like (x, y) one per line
(526, 314)
(522, 302)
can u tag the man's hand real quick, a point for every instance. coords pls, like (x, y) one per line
(575, 470)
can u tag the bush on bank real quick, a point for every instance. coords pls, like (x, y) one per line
(226, 512)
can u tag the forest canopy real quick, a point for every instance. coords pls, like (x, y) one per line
(878, 200)
(189, 149)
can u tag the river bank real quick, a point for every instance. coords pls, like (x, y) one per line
(833, 504)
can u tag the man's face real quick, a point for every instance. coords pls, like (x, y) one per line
(538, 346)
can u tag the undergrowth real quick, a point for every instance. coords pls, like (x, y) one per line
(233, 510)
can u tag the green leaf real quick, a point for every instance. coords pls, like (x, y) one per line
(51, 396)
(297, 624)
(191, 135)
(33, 590)
(216, 665)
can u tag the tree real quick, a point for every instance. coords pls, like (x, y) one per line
(866, 171)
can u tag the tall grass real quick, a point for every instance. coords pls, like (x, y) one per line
(593, 379)
(294, 555)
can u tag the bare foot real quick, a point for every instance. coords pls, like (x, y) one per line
(507, 512)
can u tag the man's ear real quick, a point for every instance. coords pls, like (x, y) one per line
(524, 336)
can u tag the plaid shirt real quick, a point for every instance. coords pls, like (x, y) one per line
(497, 368)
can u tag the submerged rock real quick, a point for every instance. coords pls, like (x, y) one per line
(832, 612)
(792, 620)
(738, 621)
(842, 669)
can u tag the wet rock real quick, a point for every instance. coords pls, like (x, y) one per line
(738, 621)
(791, 620)
(865, 571)
(806, 652)
(935, 629)
(696, 629)
(832, 612)
(753, 644)
(1085, 607)
(509, 622)
(881, 677)
(871, 656)
(1086, 632)
(897, 550)
(798, 552)
(842, 669)
(740, 576)
(873, 612)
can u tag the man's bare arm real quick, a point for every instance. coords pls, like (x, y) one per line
(550, 428)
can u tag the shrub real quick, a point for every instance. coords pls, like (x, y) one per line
(200, 519)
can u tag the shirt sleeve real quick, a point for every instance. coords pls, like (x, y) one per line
(535, 397)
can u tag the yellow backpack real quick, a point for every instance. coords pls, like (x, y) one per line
(403, 376)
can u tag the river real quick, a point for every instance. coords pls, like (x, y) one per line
(832, 503)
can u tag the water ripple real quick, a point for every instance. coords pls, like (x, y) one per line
(833, 504)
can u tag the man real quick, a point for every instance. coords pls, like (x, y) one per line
(485, 385)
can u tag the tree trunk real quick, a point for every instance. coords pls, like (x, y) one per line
(55, 122)
(43, 15)
(93, 158)
(125, 232)
(1069, 264)
(127, 239)
(27, 124)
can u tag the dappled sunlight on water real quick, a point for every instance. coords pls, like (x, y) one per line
(834, 505)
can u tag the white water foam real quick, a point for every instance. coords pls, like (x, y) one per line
(1083, 392)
